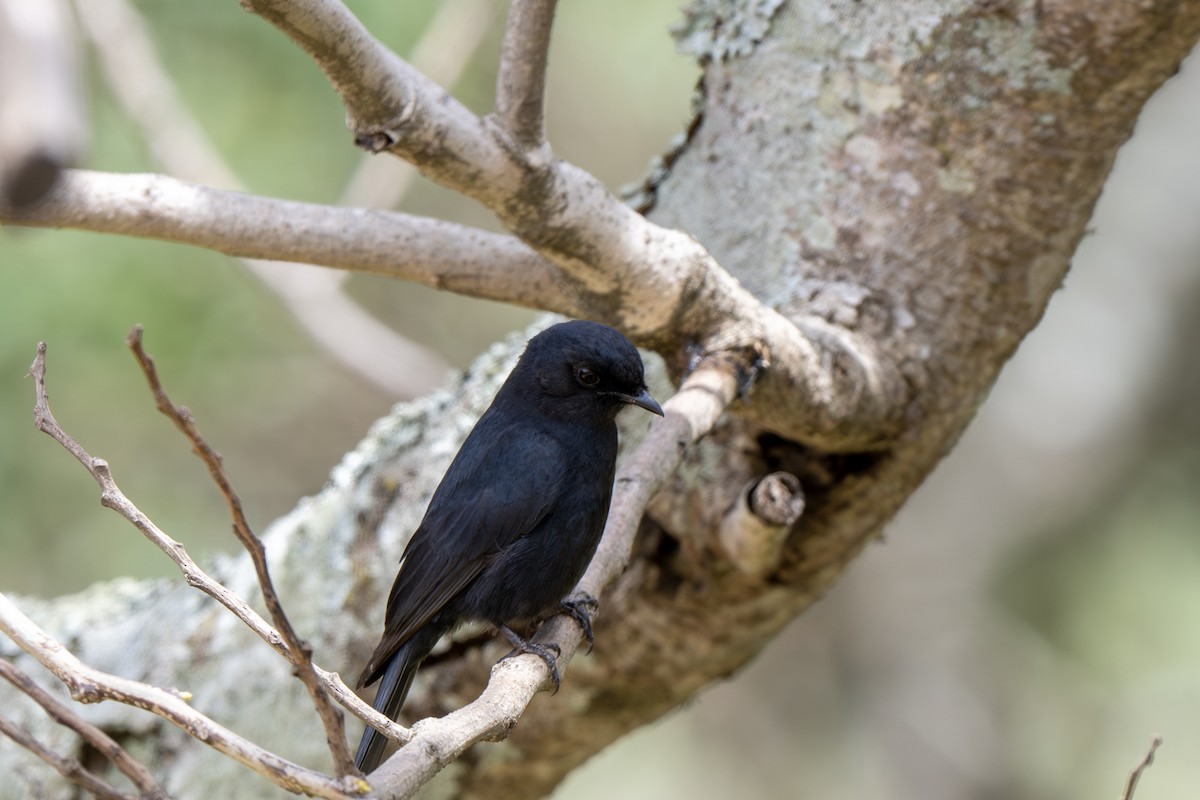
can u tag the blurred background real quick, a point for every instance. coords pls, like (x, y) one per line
(1030, 620)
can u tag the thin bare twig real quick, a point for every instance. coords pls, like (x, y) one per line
(1136, 774)
(299, 651)
(521, 79)
(101, 741)
(113, 498)
(69, 768)
(90, 685)
(690, 414)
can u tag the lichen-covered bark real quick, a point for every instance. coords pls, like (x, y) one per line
(917, 173)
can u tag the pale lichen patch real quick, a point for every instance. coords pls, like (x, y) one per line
(716, 30)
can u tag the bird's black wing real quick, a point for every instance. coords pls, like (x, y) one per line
(503, 482)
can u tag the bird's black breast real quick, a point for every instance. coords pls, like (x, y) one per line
(530, 573)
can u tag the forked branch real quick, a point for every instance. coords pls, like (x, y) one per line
(823, 385)
(690, 413)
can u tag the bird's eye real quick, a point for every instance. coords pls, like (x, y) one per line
(587, 376)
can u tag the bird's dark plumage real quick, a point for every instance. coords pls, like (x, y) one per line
(518, 515)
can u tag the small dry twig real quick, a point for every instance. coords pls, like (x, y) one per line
(299, 651)
(104, 744)
(1136, 774)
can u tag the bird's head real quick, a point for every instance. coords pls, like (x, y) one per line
(584, 372)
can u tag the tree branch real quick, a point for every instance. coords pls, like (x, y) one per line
(105, 744)
(521, 79)
(440, 255)
(823, 385)
(690, 414)
(349, 333)
(88, 685)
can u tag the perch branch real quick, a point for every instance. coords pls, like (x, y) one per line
(690, 414)
(89, 685)
(299, 651)
(113, 498)
(69, 768)
(824, 386)
(521, 79)
(101, 741)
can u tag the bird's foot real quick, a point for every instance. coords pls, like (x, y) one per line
(547, 652)
(581, 608)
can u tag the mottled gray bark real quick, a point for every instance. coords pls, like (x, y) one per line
(916, 174)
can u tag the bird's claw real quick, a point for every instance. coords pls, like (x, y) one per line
(581, 609)
(546, 652)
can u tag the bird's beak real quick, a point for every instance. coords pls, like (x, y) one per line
(643, 400)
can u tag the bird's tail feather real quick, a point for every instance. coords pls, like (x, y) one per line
(393, 688)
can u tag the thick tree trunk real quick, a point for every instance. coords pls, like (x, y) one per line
(916, 173)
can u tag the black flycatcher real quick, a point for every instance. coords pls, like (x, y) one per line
(517, 517)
